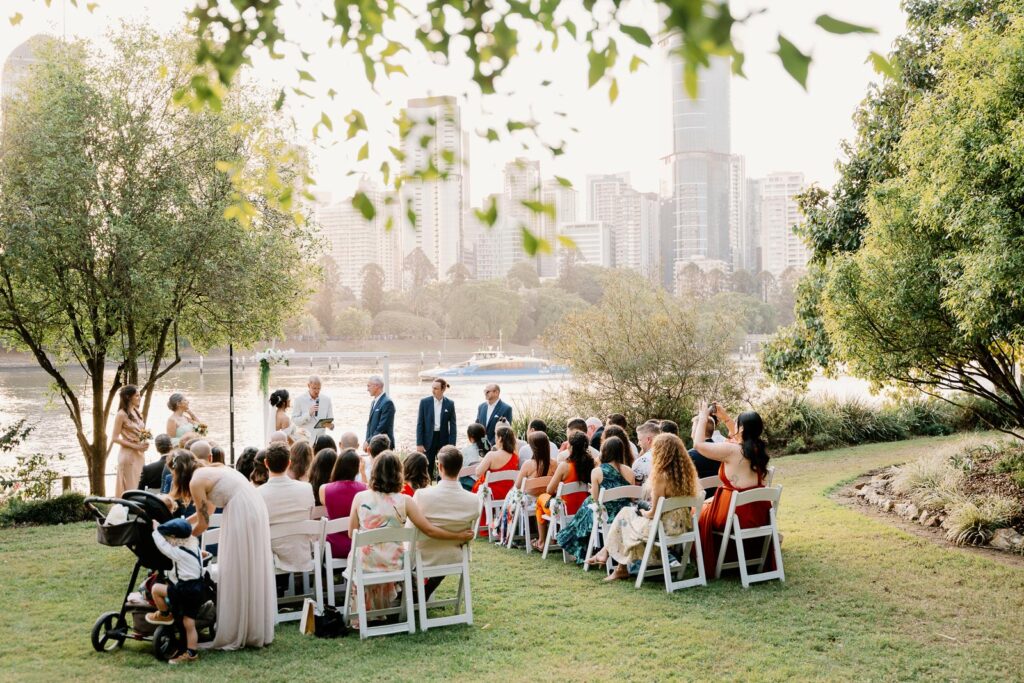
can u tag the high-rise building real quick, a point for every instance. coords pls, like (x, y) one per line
(501, 245)
(353, 242)
(699, 165)
(739, 238)
(436, 188)
(593, 240)
(632, 217)
(781, 247)
(564, 199)
(19, 62)
(753, 229)
(649, 220)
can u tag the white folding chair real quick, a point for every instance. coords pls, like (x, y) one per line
(601, 521)
(469, 471)
(527, 505)
(210, 537)
(492, 506)
(664, 541)
(317, 511)
(712, 482)
(215, 520)
(463, 596)
(736, 534)
(514, 510)
(559, 517)
(771, 475)
(359, 578)
(313, 529)
(331, 563)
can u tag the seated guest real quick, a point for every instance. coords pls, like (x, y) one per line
(337, 497)
(669, 427)
(202, 450)
(706, 467)
(416, 472)
(619, 420)
(154, 474)
(576, 424)
(502, 459)
(301, 460)
(260, 474)
(287, 500)
(613, 473)
(526, 452)
(323, 441)
(672, 474)
(645, 434)
(279, 437)
(449, 507)
(217, 455)
(349, 440)
(617, 431)
(246, 461)
(577, 467)
(594, 430)
(542, 462)
(320, 472)
(384, 506)
(474, 451)
(377, 445)
(743, 465)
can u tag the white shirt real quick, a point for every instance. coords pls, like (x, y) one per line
(490, 411)
(470, 455)
(289, 500)
(187, 565)
(642, 468)
(437, 414)
(306, 422)
(718, 437)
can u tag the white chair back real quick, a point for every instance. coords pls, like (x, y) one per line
(494, 506)
(599, 527)
(559, 516)
(317, 511)
(712, 482)
(660, 537)
(313, 529)
(469, 471)
(331, 563)
(360, 577)
(768, 533)
(463, 596)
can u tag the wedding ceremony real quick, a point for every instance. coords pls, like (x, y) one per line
(441, 341)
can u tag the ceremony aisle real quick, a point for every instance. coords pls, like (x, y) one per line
(863, 600)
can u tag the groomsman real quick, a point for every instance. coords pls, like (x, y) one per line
(312, 408)
(435, 425)
(382, 412)
(492, 409)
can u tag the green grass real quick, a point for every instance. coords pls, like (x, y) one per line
(862, 601)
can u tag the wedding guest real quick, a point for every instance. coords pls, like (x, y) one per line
(349, 440)
(416, 472)
(287, 500)
(129, 429)
(337, 497)
(260, 473)
(154, 474)
(669, 427)
(616, 430)
(301, 459)
(474, 451)
(217, 455)
(182, 420)
(594, 425)
(435, 424)
(281, 402)
(378, 444)
(577, 424)
(646, 433)
(326, 441)
(383, 505)
(246, 461)
(447, 506)
(526, 452)
(706, 467)
(320, 472)
(576, 467)
(503, 458)
(672, 474)
(542, 462)
(493, 408)
(184, 592)
(201, 449)
(278, 436)
(613, 473)
(312, 411)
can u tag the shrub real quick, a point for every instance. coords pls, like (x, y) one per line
(931, 482)
(1013, 464)
(554, 415)
(972, 521)
(64, 509)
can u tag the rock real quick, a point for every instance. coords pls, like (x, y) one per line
(912, 511)
(1007, 539)
(925, 519)
(861, 492)
(901, 509)
(887, 505)
(860, 485)
(937, 520)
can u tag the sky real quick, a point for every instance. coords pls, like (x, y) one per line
(776, 125)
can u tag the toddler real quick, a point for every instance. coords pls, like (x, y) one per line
(185, 591)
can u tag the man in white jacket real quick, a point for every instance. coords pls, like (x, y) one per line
(312, 408)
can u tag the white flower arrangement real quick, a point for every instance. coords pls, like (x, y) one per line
(268, 358)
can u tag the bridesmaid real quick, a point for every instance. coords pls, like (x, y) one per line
(182, 420)
(128, 427)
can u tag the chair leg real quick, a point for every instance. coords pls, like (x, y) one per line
(469, 592)
(329, 569)
(652, 538)
(407, 598)
(526, 533)
(725, 546)
(591, 543)
(361, 609)
(777, 550)
(547, 538)
(421, 591)
(317, 580)
(741, 554)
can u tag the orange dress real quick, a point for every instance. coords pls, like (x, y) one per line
(573, 501)
(499, 489)
(713, 518)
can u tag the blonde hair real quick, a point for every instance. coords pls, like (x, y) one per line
(672, 467)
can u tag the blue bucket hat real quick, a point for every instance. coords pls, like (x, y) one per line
(175, 528)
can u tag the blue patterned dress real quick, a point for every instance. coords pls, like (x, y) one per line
(575, 536)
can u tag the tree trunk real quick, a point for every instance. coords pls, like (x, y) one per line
(96, 455)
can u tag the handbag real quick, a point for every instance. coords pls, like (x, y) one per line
(330, 624)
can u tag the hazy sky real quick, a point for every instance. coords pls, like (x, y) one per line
(775, 124)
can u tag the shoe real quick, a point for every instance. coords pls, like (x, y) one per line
(158, 618)
(183, 658)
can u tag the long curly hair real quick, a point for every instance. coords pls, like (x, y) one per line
(672, 467)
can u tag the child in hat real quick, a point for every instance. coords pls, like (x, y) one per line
(185, 593)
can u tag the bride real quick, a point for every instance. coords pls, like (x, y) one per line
(282, 421)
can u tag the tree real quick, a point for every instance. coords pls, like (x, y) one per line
(397, 324)
(420, 268)
(373, 288)
(522, 275)
(458, 274)
(646, 354)
(354, 323)
(481, 310)
(584, 280)
(543, 307)
(324, 303)
(120, 231)
(928, 296)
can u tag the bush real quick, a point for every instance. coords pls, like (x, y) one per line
(973, 521)
(1013, 464)
(932, 483)
(64, 509)
(554, 416)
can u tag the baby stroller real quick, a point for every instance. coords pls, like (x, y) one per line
(136, 533)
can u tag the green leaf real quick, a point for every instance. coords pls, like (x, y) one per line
(279, 102)
(530, 242)
(737, 64)
(833, 25)
(691, 81)
(613, 91)
(638, 34)
(488, 215)
(794, 61)
(16, 18)
(570, 27)
(635, 64)
(545, 83)
(326, 120)
(567, 242)
(564, 182)
(365, 206)
(306, 76)
(883, 66)
(364, 152)
(598, 65)
(492, 135)
(92, 6)
(332, 93)
(394, 69)
(539, 207)
(356, 122)
(385, 169)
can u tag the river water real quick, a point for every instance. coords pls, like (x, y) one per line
(27, 392)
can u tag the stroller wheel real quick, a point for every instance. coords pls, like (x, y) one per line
(168, 641)
(109, 632)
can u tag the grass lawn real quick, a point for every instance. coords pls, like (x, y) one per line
(862, 601)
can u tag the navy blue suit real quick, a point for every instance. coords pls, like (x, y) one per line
(426, 436)
(501, 409)
(382, 419)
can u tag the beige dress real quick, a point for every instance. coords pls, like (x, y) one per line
(630, 531)
(246, 590)
(129, 460)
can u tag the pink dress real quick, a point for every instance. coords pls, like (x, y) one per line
(338, 500)
(377, 511)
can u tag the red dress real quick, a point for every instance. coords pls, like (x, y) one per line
(499, 489)
(713, 518)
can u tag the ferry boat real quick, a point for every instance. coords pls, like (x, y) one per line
(490, 362)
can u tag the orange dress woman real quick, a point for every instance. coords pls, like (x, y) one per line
(577, 468)
(713, 518)
(503, 459)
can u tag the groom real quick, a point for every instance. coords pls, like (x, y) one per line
(313, 408)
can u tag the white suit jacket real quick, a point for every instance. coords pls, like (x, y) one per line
(452, 508)
(289, 500)
(301, 418)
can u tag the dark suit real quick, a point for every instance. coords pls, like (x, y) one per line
(382, 419)
(425, 434)
(706, 467)
(595, 440)
(501, 409)
(153, 474)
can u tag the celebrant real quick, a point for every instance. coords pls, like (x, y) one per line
(312, 411)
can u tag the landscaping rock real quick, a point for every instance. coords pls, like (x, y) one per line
(1007, 539)
(887, 505)
(912, 512)
(925, 519)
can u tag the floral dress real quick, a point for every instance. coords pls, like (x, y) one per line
(575, 536)
(630, 530)
(378, 511)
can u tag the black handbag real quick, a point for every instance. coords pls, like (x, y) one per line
(330, 624)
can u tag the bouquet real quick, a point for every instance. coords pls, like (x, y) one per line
(202, 429)
(145, 435)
